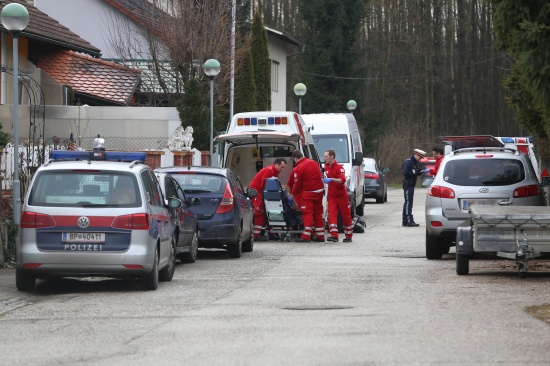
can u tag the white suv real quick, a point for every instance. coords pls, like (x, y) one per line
(481, 176)
(95, 214)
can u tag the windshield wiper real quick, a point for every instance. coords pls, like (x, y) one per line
(497, 182)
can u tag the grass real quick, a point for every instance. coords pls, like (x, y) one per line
(541, 312)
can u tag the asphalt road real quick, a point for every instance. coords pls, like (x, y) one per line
(376, 301)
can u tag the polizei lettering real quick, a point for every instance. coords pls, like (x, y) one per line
(84, 247)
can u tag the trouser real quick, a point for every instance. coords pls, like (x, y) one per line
(312, 215)
(341, 204)
(408, 193)
(260, 220)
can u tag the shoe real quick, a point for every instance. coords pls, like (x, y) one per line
(300, 240)
(319, 240)
(332, 239)
(347, 240)
(412, 224)
(404, 224)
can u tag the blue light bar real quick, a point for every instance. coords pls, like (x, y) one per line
(126, 156)
(271, 121)
(98, 155)
(254, 121)
(69, 155)
(507, 140)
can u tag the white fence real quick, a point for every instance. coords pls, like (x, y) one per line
(30, 158)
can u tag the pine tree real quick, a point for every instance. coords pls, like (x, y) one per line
(245, 87)
(4, 138)
(329, 67)
(260, 62)
(194, 111)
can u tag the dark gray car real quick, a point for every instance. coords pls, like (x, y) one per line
(375, 181)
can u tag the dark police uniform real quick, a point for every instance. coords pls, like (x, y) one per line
(411, 170)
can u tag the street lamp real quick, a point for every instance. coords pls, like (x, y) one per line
(15, 18)
(352, 104)
(300, 90)
(211, 69)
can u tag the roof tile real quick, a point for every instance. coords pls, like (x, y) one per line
(100, 79)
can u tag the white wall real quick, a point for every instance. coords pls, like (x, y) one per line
(92, 20)
(277, 51)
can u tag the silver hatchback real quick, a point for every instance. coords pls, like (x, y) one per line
(480, 176)
(95, 217)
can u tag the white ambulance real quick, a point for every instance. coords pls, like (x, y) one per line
(339, 132)
(255, 139)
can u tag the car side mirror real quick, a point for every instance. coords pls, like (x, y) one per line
(358, 160)
(251, 192)
(385, 170)
(546, 181)
(174, 202)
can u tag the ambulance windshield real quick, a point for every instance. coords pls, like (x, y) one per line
(338, 143)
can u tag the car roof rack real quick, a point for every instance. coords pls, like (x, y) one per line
(484, 150)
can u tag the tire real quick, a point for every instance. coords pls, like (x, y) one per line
(462, 264)
(191, 256)
(24, 281)
(386, 197)
(150, 281)
(361, 208)
(235, 250)
(433, 247)
(445, 248)
(248, 245)
(379, 199)
(167, 273)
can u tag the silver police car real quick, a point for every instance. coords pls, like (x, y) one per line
(95, 213)
(480, 176)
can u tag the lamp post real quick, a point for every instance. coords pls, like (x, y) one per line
(352, 104)
(15, 18)
(300, 90)
(211, 69)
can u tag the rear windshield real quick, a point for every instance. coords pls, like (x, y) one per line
(85, 189)
(338, 143)
(484, 172)
(370, 165)
(201, 183)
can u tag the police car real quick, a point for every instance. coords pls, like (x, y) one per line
(95, 213)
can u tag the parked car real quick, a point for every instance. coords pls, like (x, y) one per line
(185, 223)
(481, 176)
(375, 181)
(95, 214)
(225, 215)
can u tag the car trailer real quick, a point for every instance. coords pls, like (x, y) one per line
(520, 233)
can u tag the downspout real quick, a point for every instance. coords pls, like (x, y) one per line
(3, 76)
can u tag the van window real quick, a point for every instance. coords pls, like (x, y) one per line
(338, 143)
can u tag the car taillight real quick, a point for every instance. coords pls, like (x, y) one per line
(370, 175)
(441, 192)
(226, 205)
(527, 191)
(33, 220)
(132, 222)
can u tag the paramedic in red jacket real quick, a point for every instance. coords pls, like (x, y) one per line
(258, 183)
(337, 198)
(308, 185)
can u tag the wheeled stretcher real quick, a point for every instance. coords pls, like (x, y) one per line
(282, 218)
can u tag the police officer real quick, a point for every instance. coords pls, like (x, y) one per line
(411, 170)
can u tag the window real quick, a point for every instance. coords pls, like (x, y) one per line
(274, 76)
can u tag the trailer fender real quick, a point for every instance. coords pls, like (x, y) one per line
(464, 240)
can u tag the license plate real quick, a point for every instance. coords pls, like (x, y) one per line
(467, 203)
(83, 237)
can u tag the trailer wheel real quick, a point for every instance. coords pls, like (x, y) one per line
(462, 264)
